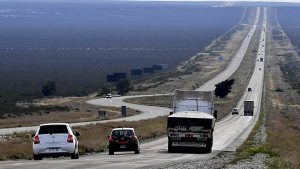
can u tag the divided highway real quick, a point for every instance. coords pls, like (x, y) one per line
(229, 133)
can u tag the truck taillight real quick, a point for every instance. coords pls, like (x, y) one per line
(36, 139)
(70, 138)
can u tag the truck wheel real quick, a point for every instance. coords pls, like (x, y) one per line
(170, 147)
(208, 147)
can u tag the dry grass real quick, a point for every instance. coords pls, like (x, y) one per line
(161, 101)
(93, 137)
(79, 111)
(283, 106)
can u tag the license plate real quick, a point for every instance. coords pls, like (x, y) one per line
(53, 149)
(122, 146)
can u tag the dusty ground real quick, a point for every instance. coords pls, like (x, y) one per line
(282, 100)
(79, 111)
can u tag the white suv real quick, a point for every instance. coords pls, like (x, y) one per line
(55, 139)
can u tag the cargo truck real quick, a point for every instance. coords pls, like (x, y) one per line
(248, 107)
(192, 122)
(261, 59)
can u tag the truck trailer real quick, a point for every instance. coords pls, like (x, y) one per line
(191, 124)
(248, 107)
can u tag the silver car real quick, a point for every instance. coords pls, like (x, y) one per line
(53, 140)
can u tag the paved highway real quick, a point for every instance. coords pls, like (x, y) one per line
(229, 132)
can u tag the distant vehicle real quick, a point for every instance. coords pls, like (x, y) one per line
(248, 107)
(123, 139)
(192, 122)
(249, 89)
(53, 140)
(108, 96)
(235, 111)
(261, 59)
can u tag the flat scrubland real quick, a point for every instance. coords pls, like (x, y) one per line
(101, 40)
(72, 109)
(282, 98)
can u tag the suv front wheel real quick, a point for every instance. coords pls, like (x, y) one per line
(137, 151)
(37, 157)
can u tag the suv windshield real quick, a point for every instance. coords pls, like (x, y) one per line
(122, 133)
(53, 129)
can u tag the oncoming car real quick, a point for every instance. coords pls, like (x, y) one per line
(234, 111)
(108, 96)
(123, 139)
(53, 140)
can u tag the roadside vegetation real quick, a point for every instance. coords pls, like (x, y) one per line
(252, 146)
(93, 137)
(161, 101)
(283, 99)
(73, 110)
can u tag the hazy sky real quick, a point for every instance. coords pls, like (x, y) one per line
(82, 1)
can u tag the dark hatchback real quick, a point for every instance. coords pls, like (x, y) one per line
(123, 139)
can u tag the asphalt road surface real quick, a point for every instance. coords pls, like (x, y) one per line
(229, 133)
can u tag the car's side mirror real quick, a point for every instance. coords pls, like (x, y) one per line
(32, 135)
(77, 134)
(216, 114)
(171, 112)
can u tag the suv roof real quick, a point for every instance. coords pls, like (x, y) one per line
(54, 124)
(123, 129)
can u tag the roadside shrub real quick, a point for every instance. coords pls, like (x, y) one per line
(123, 87)
(223, 88)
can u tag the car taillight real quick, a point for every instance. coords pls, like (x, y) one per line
(110, 139)
(133, 138)
(70, 138)
(36, 139)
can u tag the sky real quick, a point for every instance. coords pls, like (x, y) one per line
(83, 1)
